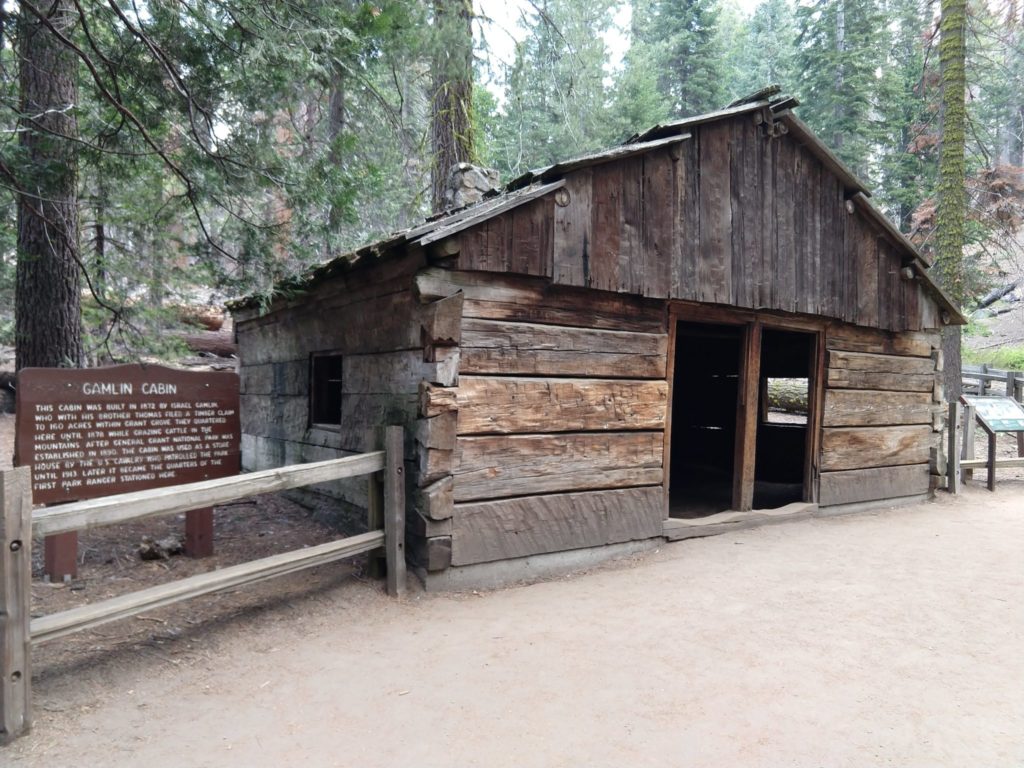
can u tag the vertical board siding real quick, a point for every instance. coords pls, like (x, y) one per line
(687, 239)
(572, 233)
(657, 225)
(519, 241)
(730, 216)
(606, 214)
(714, 258)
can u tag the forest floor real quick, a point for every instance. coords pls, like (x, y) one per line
(884, 638)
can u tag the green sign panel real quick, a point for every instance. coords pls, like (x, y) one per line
(999, 414)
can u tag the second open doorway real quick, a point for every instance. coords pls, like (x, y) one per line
(743, 396)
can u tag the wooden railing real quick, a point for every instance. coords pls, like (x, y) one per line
(19, 522)
(978, 380)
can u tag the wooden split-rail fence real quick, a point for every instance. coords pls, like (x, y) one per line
(978, 380)
(19, 522)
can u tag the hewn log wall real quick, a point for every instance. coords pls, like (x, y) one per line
(389, 342)
(553, 437)
(882, 415)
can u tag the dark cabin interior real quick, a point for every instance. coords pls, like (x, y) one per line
(704, 392)
(704, 418)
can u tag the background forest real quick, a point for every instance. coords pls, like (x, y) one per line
(211, 147)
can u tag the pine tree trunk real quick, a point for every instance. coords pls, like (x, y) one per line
(949, 261)
(48, 317)
(451, 130)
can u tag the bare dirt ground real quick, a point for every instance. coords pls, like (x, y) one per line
(886, 638)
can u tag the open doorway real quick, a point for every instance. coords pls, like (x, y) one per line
(742, 397)
(783, 416)
(705, 389)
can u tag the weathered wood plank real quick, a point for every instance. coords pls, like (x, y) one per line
(857, 407)
(606, 213)
(747, 420)
(82, 515)
(441, 322)
(499, 530)
(396, 372)
(785, 197)
(659, 217)
(379, 324)
(67, 622)
(632, 203)
(867, 361)
(525, 299)
(863, 447)
(435, 400)
(516, 465)
(437, 432)
(687, 221)
(343, 289)
(282, 377)
(853, 338)
(432, 553)
(523, 405)
(434, 464)
(768, 224)
(895, 382)
(871, 484)
(394, 510)
(15, 603)
(526, 348)
(714, 266)
(572, 231)
(436, 501)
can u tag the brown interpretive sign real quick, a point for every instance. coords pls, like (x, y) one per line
(99, 431)
(90, 432)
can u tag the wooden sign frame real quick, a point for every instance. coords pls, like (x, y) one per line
(961, 460)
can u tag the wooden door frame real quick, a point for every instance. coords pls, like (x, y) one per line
(753, 324)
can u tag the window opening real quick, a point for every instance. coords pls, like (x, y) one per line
(325, 390)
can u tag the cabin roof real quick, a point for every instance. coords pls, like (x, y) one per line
(542, 181)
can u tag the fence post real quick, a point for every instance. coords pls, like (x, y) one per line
(374, 520)
(982, 381)
(967, 452)
(394, 509)
(15, 603)
(953, 459)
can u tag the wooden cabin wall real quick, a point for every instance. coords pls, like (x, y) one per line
(883, 415)
(729, 216)
(553, 437)
(389, 343)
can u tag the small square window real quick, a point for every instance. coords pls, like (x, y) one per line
(325, 390)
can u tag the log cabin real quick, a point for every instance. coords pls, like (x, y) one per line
(582, 359)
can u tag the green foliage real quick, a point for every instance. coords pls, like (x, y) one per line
(555, 98)
(1008, 358)
(681, 39)
(839, 44)
(227, 144)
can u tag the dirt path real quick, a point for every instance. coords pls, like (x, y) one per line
(891, 638)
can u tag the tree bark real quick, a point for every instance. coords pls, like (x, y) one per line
(951, 213)
(48, 317)
(451, 129)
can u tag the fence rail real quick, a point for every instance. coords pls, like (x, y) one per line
(978, 379)
(19, 522)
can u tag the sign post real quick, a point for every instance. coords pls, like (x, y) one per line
(90, 432)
